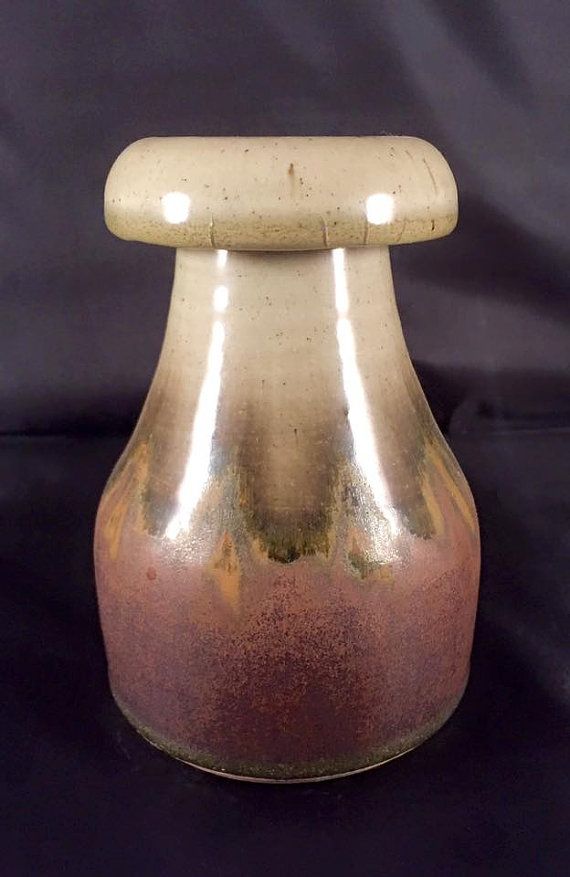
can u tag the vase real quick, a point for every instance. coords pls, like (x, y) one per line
(287, 552)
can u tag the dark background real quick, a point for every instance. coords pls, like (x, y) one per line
(486, 316)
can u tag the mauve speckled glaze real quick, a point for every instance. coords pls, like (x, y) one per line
(287, 553)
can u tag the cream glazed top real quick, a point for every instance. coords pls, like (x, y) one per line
(284, 193)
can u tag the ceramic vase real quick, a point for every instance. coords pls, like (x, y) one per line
(287, 552)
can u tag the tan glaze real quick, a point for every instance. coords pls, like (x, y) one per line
(287, 553)
(284, 193)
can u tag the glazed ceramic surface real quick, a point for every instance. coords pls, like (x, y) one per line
(287, 552)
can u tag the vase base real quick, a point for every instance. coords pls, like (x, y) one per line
(410, 743)
(278, 781)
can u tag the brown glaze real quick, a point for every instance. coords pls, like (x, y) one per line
(311, 612)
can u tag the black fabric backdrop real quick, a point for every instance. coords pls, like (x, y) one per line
(485, 313)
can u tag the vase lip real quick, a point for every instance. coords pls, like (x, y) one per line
(280, 193)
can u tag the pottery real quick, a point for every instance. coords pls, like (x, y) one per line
(287, 552)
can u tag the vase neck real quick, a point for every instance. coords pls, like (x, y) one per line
(282, 366)
(278, 312)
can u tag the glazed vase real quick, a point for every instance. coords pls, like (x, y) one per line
(287, 552)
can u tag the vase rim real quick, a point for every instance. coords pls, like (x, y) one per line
(280, 193)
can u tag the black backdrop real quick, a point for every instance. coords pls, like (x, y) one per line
(81, 319)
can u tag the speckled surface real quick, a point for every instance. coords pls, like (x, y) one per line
(284, 193)
(287, 552)
(281, 773)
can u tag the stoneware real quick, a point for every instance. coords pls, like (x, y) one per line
(287, 552)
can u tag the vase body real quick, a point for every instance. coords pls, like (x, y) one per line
(287, 553)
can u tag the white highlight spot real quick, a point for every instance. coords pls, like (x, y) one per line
(175, 207)
(221, 298)
(340, 287)
(197, 469)
(221, 258)
(379, 208)
(364, 443)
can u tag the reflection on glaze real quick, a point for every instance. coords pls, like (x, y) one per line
(379, 208)
(197, 468)
(221, 298)
(340, 286)
(365, 451)
(175, 207)
(221, 258)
